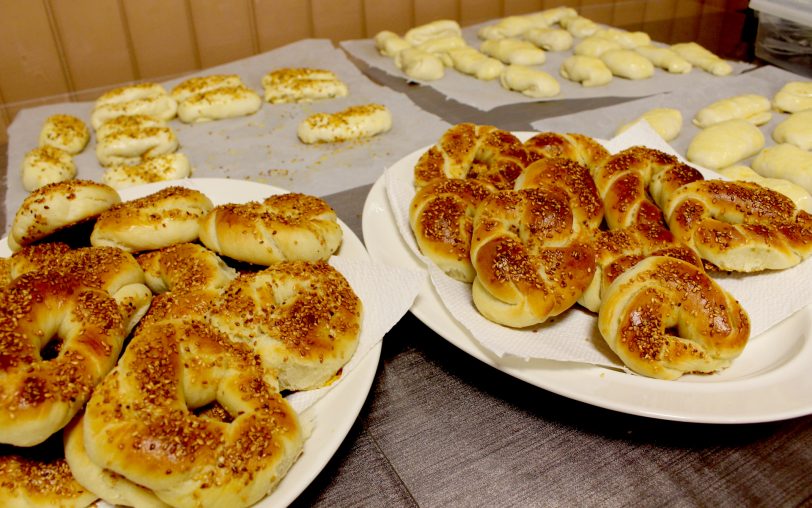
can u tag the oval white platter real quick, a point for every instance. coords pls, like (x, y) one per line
(771, 380)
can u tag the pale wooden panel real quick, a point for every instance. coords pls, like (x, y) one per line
(429, 10)
(513, 7)
(224, 30)
(598, 11)
(281, 22)
(94, 41)
(338, 20)
(163, 42)
(29, 59)
(477, 11)
(394, 15)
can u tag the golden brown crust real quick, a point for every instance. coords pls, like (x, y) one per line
(644, 308)
(575, 147)
(185, 267)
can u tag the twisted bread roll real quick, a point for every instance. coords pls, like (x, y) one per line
(170, 166)
(700, 57)
(532, 257)
(625, 177)
(65, 132)
(432, 30)
(550, 39)
(441, 216)
(509, 26)
(588, 70)
(626, 63)
(625, 38)
(472, 62)
(302, 85)
(188, 88)
(799, 196)
(514, 51)
(751, 107)
(419, 64)
(793, 97)
(575, 147)
(795, 130)
(467, 150)
(667, 122)
(665, 58)
(132, 139)
(141, 421)
(594, 46)
(185, 267)
(148, 99)
(218, 104)
(665, 317)
(35, 481)
(389, 43)
(283, 227)
(725, 143)
(40, 396)
(739, 226)
(785, 161)
(45, 165)
(530, 82)
(166, 217)
(355, 122)
(57, 206)
(579, 26)
(302, 318)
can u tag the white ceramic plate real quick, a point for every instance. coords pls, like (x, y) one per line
(771, 380)
(334, 414)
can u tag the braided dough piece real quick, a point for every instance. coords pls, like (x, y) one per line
(573, 146)
(185, 267)
(441, 46)
(725, 143)
(356, 122)
(751, 107)
(739, 226)
(594, 46)
(579, 26)
(149, 99)
(158, 220)
(625, 179)
(219, 104)
(532, 257)
(34, 481)
(587, 70)
(433, 30)
(644, 306)
(626, 63)
(625, 38)
(553, 15)
(170, 166)
(666, 122)
(57, 206)
(302, 85)
(441, 216)
(800, 196)
(140, 422)
(419, 64)
(282, 227)
(530, 82)
(509, 26)
(302, 318)
(785, 161)
(467, 150)
(38, 397)
(474, 63)
(65, 132)
(550, 39)
(514, 51)
(45, 165)
(132, 139)
(793, 97)
(795, 130)
(389, 43)
(665, 58)
(700, 57)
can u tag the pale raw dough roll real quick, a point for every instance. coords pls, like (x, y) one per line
(145, 99)
(666, 122)
(442, 45)
(665, 58)
(595, 46)
(164, 218)
(219, 104)
(127, 123)
(65, 132)
(432, 30)
(356, 122)
(626, 39)
(751, 107)
(514, 51)
(389, 43)
(420, 65)
(579, 26)
(795, 130)
(171, 166)
(793, 97)
(510, 26)
(785, 161)
(587, 70)
(134, 145)
(530, 82)
(202, 84)
(628, 64)
(46, 164)
(550, 39)
(57, 206)
(725, 143)
(700, 57)
(302, 85)
(800, 196)
(470, 61)
(552, 16)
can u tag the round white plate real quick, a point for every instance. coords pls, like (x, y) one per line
(771, 380)
(334, 414)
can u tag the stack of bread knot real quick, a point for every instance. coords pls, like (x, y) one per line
(145, 345)
(540, 225)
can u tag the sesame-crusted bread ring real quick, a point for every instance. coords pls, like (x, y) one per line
(41, 312)
(441, 216)
(665, 317)
(303, 318)
(57, 206)
(166, 217)
(148, 420)
(739, 226)
(185, 267)
(532, 254)
(573, 146)
(467, 150)
(282, 227)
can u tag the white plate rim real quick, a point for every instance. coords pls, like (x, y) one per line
(577, 380)
(336, 412)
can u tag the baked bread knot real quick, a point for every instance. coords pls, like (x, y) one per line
(467, 150)
(532, 256)
(185, 267)
(665, 318)
(40, 479)
(304, 320)
(740, 226)
(570, 176)
(573, 146)
(618, 250)
(625, 179)
(58, 206)
(149, 420)
(163, 218)
(58, 339)
(442, 218)
(282, 227)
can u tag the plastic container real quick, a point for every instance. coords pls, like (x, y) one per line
(784, 36)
